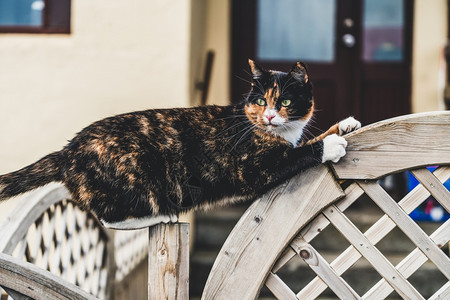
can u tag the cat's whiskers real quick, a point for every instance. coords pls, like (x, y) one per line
(291, 131)
(282, 88)
(231, 117)
(231, 127)
(260, 87)
(249, 130)
(286, 85)
(311, 122)
(243, 79)
(240, 131)
(258, 84)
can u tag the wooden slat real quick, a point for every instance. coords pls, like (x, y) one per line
(321, 267)
(442, 293)
(265, 230)
(21, 248)
(372, 254)
(168, 262)
(375, 233)
(402, 136)
(410, 264)
(278, 288)
(375, 164)
(407, 225)
(408, 128)
(316, 226)
(396, 144)
(35, 282)
(434, 186)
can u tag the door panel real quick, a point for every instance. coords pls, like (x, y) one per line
(288, 35)
(377, 103)
(358, 52)
(382, 30)
(386, 59)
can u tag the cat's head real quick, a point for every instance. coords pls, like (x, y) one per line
(280, 101)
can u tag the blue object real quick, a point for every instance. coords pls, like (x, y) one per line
(430, 210)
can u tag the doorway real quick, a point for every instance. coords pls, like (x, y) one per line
(358, 53)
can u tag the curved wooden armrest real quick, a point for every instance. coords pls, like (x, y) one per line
(14, 227)
(397, 144)
(32, 281)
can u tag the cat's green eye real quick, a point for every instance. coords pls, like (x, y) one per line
(286, 102)
(261, 102)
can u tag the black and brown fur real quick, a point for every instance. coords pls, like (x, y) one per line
(144, 163)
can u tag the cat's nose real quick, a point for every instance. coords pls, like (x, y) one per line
(270, 117)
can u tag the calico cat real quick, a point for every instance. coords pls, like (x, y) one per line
(142, 168)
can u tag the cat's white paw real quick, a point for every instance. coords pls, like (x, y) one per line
(333, 148)
(348, 125)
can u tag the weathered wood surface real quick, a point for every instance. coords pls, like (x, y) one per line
(396, 144)
(32, 281)
(408, 226)
(279, 288)
(265, 230)
(168, 265)
(372, 254)
(255, 250)
(374, 234)
(321, 267)
(410, 264)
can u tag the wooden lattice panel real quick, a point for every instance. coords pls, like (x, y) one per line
(48, 230)
(69, 243)
(396, 214)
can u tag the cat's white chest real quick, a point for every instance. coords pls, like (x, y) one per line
(291, 132)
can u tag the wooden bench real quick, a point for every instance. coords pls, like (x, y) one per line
(284, 222)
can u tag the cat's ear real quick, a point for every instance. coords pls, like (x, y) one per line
(256, 70)
(299, 72)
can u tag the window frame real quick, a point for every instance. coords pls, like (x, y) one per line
(47, 26)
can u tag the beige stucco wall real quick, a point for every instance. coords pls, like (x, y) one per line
(211, 31)
(218, 39)
(429, 38)
(121, 56)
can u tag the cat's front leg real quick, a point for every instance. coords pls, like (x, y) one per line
(343, 127)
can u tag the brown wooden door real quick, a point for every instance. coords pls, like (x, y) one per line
(358, 52)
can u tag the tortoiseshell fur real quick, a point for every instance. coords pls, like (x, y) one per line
(163, 162)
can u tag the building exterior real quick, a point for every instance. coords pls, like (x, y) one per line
(129, 55)
(120, 56)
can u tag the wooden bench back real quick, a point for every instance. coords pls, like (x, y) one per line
(283, 223)
(49, 231)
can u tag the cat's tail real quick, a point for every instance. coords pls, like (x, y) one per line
(44, 171)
